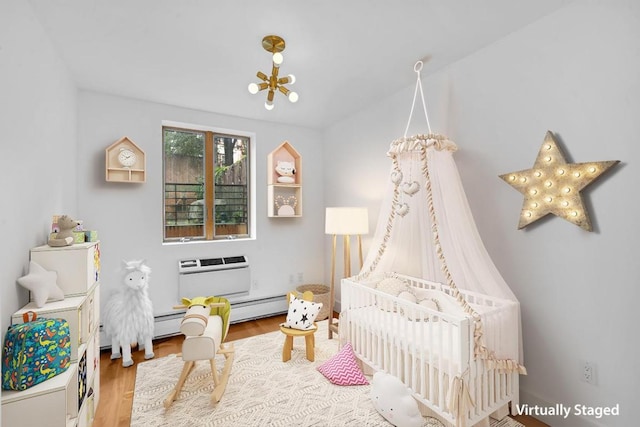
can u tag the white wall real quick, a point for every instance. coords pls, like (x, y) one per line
(128, 217)
(38, 146)
(574, 72)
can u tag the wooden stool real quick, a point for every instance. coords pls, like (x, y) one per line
(309, 340)
(309, 337)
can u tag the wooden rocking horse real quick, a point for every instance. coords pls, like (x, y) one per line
(205, 326)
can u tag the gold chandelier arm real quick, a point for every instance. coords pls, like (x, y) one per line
(262, 76)
(284, 90)
(270, 95)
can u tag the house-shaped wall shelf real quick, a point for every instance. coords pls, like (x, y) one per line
(125, 162)
(284, 196)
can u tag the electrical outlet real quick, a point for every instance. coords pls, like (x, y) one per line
(300, 278)
(589, 372)
(255, 284)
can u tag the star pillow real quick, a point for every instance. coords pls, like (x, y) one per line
(343, 369)
(302, 314)
(42, 284)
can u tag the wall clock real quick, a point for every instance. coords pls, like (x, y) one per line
(125, 162)
(127, 157)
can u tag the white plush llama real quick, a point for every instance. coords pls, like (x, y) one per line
(128, 317)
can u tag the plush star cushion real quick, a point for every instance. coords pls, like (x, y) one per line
(342, 369)
(393, 400)
(42, 284)
(302, 314)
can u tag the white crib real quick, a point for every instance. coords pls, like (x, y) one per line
(432, 352)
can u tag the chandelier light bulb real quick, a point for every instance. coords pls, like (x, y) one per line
(293, 97)
(253, 88)
(292, 78)
(268, 105)
(278, 58)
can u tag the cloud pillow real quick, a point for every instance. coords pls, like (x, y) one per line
(393, 400)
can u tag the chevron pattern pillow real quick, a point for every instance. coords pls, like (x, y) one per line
(343, 369)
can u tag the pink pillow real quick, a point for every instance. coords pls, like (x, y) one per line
(342, 369)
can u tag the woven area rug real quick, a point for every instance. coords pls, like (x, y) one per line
(262, 390)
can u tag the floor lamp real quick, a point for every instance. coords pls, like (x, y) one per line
(346, 222)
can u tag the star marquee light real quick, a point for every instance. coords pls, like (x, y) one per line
(553, 186)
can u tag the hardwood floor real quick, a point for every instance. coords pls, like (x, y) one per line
(117, 383)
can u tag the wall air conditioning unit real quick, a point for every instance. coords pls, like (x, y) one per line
(227, 277)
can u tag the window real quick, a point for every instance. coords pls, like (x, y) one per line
(207, 191)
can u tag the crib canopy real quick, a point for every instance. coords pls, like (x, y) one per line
(426, 230)
(424, 211)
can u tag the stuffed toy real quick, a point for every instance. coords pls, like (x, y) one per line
(286, 172)
(393, 400)
(64, 237)
(128, 317)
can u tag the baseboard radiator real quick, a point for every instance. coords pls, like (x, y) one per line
(229, 277)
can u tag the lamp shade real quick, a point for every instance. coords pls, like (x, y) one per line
(346, 221)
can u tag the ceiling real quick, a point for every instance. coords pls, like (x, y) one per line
(202, 54)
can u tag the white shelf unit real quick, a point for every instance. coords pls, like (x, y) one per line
(69, 399)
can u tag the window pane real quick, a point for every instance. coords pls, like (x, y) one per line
(184, 210)
(231, 198)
